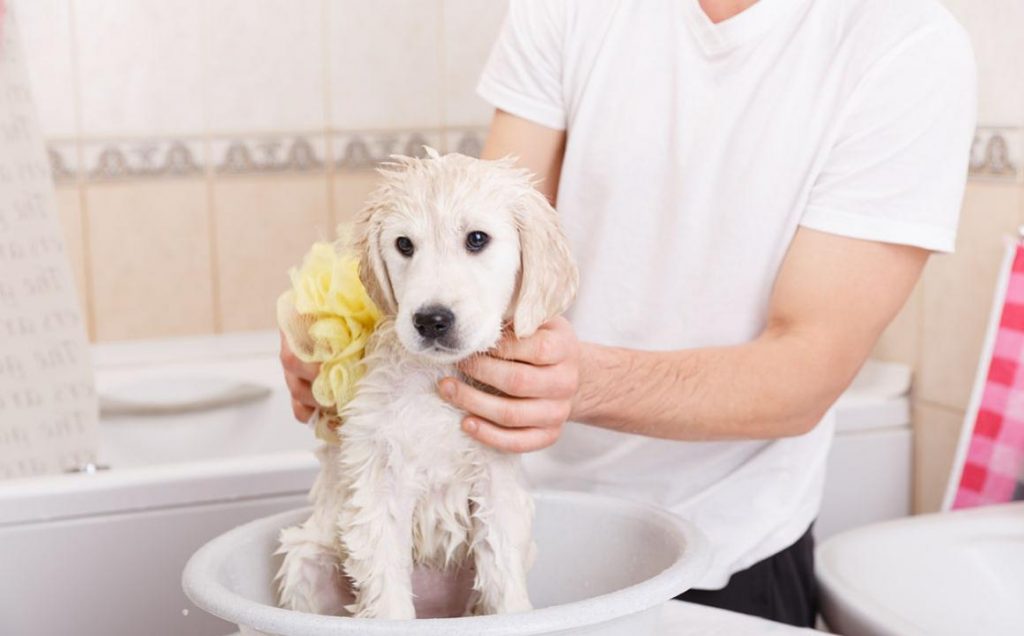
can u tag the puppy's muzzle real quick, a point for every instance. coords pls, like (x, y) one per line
(434, 322)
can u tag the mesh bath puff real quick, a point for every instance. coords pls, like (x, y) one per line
(328, 317)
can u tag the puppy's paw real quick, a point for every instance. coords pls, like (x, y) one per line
(386, 609)
(509, 604)
(520, 605)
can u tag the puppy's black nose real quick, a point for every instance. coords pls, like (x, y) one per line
(433, 322)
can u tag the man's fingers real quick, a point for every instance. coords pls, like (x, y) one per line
(304, 370)
(519, 379)
(504, 411)
(301, 390)
(301, 411)
(510, 440)
(545, 347)
(291, 363)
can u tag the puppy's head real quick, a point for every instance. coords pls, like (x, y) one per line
(454, 248)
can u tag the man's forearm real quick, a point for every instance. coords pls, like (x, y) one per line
(832, 298)
(775, 386)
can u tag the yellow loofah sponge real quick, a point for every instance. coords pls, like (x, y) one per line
(328, 317)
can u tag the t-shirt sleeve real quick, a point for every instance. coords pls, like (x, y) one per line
(897, 169)
(523, 75)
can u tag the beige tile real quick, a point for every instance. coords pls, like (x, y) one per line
(150, 257)
(265, 65)
(69, 208)
(350, 192)
(264, 226)
(994, 29)
(384, 60)
(900, 342)
(936, 435)
(957, 293)
(470, 29)
(140, 63)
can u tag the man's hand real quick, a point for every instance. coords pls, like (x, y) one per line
(299, 376)
(539, 376)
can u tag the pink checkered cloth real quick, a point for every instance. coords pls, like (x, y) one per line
(993, 470)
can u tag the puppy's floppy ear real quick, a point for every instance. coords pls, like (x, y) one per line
(372, 270)
(547, 276)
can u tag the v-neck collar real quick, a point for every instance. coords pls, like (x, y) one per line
(716, 39)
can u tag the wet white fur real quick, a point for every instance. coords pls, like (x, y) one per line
(406, 487)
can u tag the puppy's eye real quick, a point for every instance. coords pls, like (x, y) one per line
(476, 241)
(404, 245)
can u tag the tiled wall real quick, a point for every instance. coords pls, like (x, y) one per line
(199, 146)
(941, 330)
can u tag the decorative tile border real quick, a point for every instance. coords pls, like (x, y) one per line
(261, 155)
(468, 142)
(63, 158)
(149, 159)
(256, 154)
(998, 153)
(363, 151)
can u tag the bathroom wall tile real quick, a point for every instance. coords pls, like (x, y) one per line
(384, 61)
(45, 28)
(350, 193)
(901, 341)
(140, 63)
(69, 208)
(995, 29)
(936, 435)
(957, 293)
(470, 28)
(149, 250)
(264, 225)
(265, 65)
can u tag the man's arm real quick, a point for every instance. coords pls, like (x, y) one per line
(832, 299)
(537, 148)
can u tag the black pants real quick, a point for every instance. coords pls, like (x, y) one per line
(780, 588)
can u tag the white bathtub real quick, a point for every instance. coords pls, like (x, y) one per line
(101, 554)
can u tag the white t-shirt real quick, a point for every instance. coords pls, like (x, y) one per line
(694, 151)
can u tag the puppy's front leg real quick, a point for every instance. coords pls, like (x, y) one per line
(502, 540)
(310, 578)
(375, 525)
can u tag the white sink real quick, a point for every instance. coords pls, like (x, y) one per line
(954, 573)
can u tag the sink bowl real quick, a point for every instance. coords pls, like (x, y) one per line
(953, 573)
(604, 566)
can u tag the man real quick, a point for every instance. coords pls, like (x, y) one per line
(751, 190)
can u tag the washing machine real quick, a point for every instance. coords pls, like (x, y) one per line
(870, 466)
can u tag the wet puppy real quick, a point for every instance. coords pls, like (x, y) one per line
(453, 250)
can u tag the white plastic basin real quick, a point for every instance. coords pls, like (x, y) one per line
(954, 573)
(604, 566)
